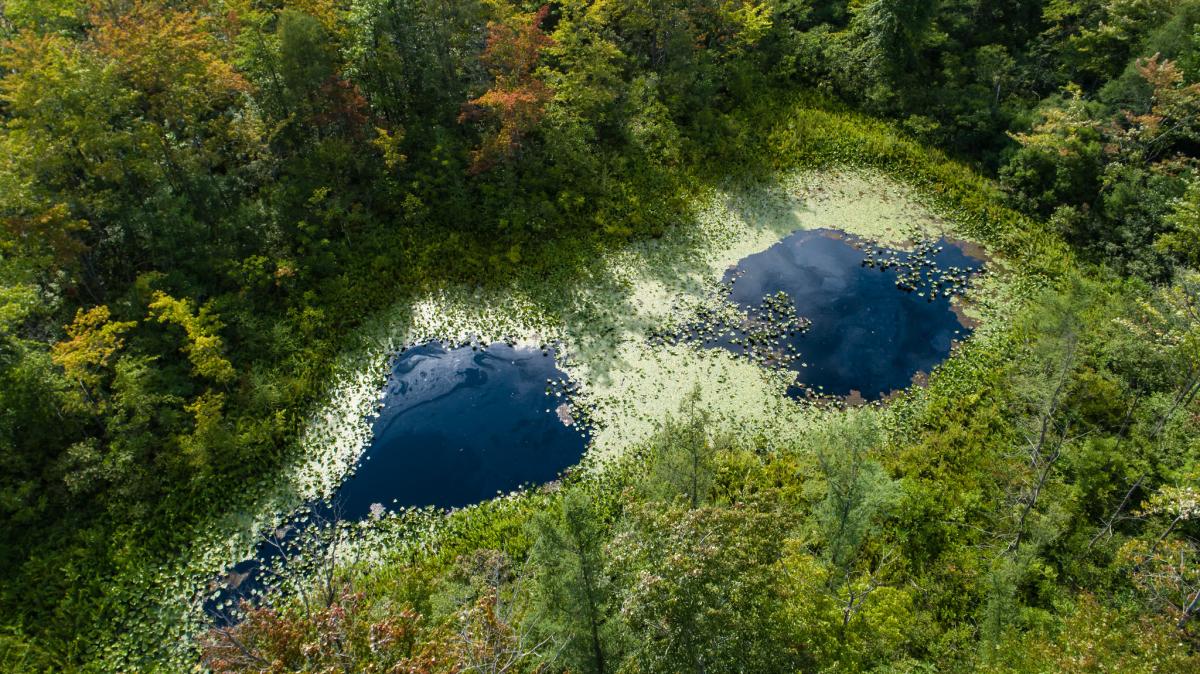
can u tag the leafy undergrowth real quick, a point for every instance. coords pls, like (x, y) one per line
(897, 535)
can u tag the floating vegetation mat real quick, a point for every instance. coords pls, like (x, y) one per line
(601, 318)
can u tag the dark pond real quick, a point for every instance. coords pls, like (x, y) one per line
(457, 426)
(460, 426)
(848, 316)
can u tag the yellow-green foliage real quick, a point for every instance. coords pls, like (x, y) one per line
(204, 346)
(1094, 638)
(94, 340)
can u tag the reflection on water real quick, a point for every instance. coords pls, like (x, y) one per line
(859, 319)
(459, 426)
(456, 427)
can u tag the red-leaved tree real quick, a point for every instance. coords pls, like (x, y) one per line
(517, 99)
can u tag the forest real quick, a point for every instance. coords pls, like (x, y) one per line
(206, 204)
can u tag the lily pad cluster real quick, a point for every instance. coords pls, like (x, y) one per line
(918, 270)
(286, 557)
(563, 395)
(759, 334)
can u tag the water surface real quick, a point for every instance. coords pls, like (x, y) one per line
(456, 426)
(459, 426)
(848, 317)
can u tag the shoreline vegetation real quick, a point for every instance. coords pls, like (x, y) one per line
(220, 218)
(627, 301)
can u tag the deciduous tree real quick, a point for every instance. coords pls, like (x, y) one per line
(204, 347)
(518, 96)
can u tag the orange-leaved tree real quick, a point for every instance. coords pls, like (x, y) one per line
(517, 99)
